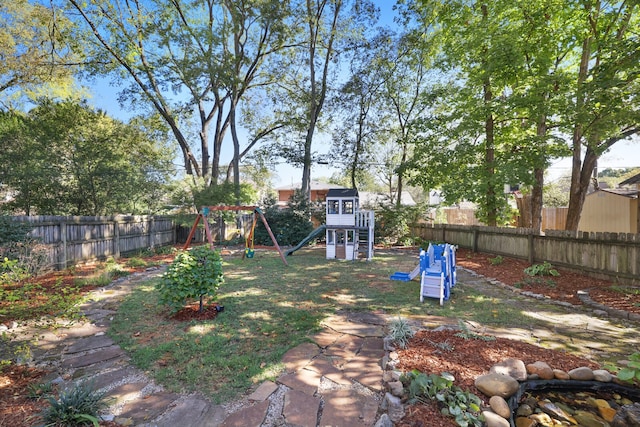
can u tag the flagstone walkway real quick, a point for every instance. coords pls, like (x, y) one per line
(337, 380)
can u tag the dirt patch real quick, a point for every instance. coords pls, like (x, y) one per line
(193, 312)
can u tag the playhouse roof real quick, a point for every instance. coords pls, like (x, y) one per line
(342, 192)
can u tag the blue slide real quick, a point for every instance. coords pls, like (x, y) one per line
(315, 233)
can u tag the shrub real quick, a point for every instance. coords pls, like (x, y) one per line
(631, 372)
(76, 407)
(289, 226)
(455, 402)
(392, 224)
(16, 244)
(193, 274)
(497, 260)
(400, 331)
(544, 269)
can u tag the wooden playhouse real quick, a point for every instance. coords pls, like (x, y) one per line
(349, 230)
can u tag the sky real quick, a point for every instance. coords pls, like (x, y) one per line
(624, 154)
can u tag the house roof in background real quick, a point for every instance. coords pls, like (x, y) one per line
(371, 199)
(342, 192)
(314, 185)
(633, 180)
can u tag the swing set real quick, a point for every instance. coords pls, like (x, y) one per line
(249, 246)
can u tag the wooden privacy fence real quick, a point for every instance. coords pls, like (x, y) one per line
(552, 218)
(614, 256)
(69, 240)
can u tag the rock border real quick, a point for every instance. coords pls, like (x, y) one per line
(597, 308)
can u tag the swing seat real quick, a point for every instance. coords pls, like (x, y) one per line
(249, 253)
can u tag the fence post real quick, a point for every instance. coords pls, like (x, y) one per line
(474, 244)
(151, 236)
(63, 236)
(530, 244)
(116, 238)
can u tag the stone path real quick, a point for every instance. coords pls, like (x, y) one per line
(335, 381)
(338, 380)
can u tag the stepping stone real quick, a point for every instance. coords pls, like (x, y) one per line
(149, 407)
(345, 348)
(300, 356)
(341, 324)
(192, 411)
(93, 358)
(304, 380)
(323, 366)
(348, 408)
(90, 343)
(368, 317)
(263, 391)
(300, 409)
(110, 378)
(126, 392)
(83, 330)
(366, 371)
(252, 416)
(325, 338)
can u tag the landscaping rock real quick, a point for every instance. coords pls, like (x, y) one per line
(581, 374)
(627, 416)
(541, 369)
(497, 385)
(602, 375)
(515, 368)
(500, 406)
(494, 420)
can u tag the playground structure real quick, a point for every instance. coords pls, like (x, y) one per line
(349, 231)
(437, 271)
(249, 248)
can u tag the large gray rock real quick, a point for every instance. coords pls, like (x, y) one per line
(394, 407)
(497, 385)
(384, 421)
(627, 416)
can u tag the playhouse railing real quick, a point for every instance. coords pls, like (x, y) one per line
(364, 219)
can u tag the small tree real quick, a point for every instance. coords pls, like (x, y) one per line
(193, 274)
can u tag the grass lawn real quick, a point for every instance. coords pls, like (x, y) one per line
(270, 308)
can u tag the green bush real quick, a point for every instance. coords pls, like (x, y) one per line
(77, 407)
(16, 244)
(289, 226)
(544, 269)
(631, 372)
(193, 274)
(497, 260)
(455, 402)
(392, 224)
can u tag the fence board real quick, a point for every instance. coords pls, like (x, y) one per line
(615, 256)
(73, 239)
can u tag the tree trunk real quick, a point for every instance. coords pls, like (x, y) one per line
(536, 200)
(489, 153)
(236, 152)
(577, 192)
(538, 174)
